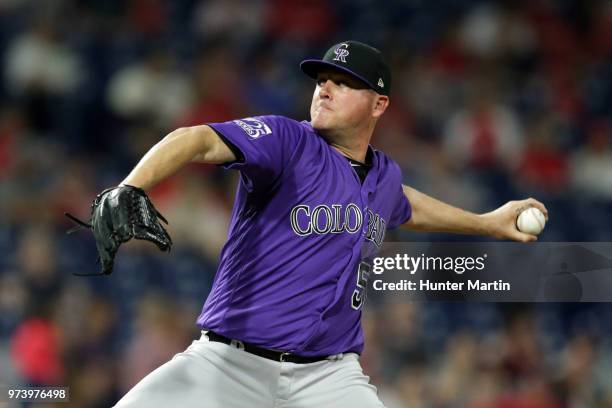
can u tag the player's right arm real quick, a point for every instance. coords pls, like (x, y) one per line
(184, 145)
(431, 215)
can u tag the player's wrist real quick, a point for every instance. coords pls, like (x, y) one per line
(486, 225)
(136, 183)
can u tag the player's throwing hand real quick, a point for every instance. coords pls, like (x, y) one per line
(502, 221)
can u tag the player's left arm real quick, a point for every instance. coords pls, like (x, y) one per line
(429, 214)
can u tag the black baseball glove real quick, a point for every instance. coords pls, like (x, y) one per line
(119, 214)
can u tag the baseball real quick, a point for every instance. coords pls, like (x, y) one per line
(531, 221)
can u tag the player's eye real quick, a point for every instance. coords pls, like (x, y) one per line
(321, 81)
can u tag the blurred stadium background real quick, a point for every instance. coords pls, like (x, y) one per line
(491, 101)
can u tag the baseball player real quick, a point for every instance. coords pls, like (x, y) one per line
(281, 326)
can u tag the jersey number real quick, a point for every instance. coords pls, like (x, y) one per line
(363, 273)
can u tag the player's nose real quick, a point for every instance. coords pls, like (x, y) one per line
(325, 88)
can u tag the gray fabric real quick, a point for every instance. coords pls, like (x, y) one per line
(216, 375)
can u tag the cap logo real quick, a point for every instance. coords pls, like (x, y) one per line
(381, 83)
(341, 53)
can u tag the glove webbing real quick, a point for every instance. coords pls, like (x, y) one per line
(85, 225)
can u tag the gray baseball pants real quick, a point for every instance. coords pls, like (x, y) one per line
(216, 375)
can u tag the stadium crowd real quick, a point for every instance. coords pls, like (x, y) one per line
(491, 101)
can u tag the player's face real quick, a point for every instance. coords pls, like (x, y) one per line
(341, 102)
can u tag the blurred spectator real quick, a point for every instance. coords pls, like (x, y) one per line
(300, 21)
(592, 163)
(219, 94)
(456, 371)
(36, 353)
(371, 360)
(73, 188)
(94, 384)
(576, 372)
(147, 17)
(486, 134)
(401, 342)
(14, 299)
(482, 30)
(263, 90)
(544, 166)
(533, 391)
(150, 90)
(430, 169)
(40, 70)
(33, 168)
(521, 352)
(412, 388)
(11, 126)
(37, 264)
(199, 215)
(38, 61)
(485, 389)
(159, 333)
(238, 21)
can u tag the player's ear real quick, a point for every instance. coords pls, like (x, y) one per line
(381, 103)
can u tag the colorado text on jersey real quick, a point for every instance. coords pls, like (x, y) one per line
(325, 220)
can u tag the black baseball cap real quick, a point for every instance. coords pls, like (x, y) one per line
(362, 61)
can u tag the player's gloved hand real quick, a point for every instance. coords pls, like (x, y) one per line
(119, 214)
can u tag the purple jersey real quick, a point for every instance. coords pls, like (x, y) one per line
(291, 275)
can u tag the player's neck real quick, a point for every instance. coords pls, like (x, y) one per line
(357, 153)
(354, 145)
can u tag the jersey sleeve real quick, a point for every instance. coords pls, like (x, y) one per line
(402, 211)
(266, 144)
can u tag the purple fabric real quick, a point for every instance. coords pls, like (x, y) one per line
(286, 281)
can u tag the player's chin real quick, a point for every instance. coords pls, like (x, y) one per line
(321, 121)
(317, 126)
